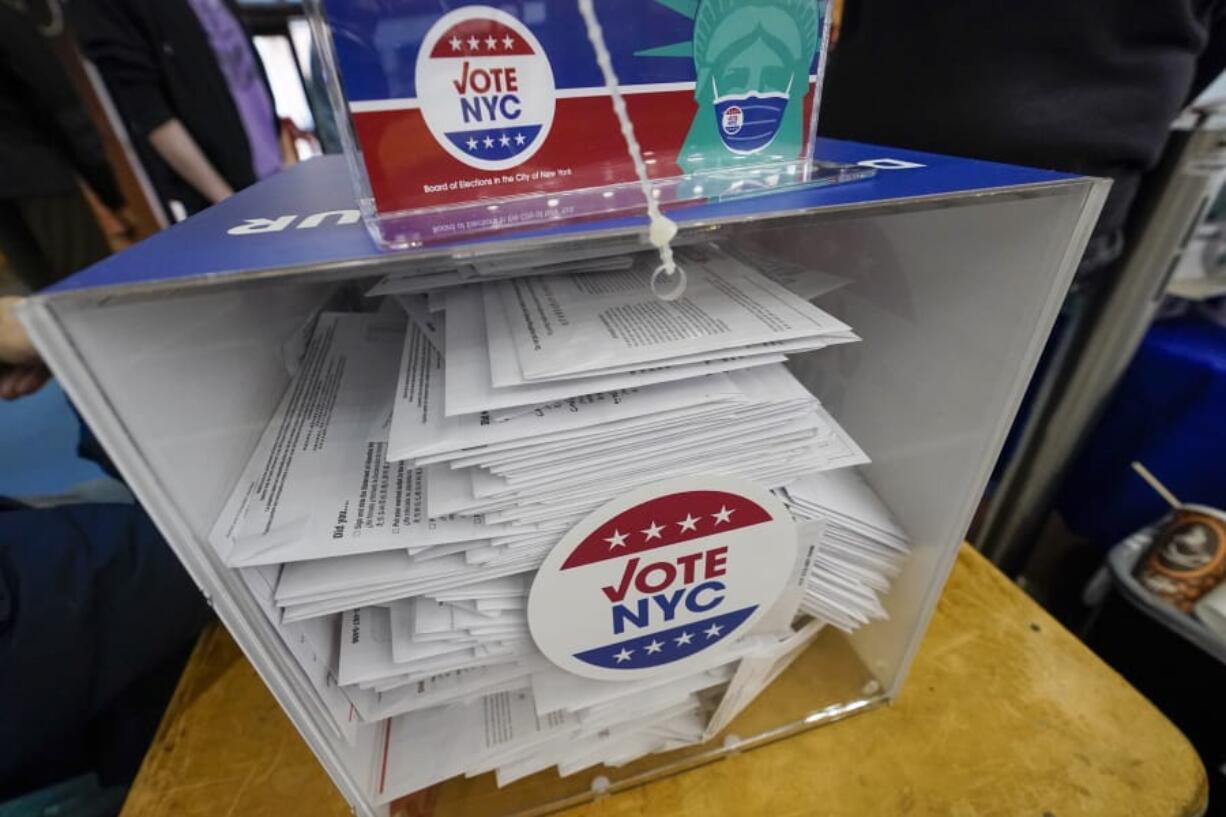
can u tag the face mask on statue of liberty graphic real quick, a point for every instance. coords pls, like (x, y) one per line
(752, 60)
(748, 122)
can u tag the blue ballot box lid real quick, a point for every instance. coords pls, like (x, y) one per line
(307, 217)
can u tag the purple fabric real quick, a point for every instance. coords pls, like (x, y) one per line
(237, 61)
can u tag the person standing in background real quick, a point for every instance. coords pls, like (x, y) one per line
(47, 143)
(191, 90)
(1087, 87)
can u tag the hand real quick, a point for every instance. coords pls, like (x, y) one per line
(15, 346)
(21, 370)
(20, 381)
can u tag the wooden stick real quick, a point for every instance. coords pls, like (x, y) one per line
(1158, 487)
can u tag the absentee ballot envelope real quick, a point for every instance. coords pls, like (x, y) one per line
(469, 375)
(570, 324)
(420, 428)
(319, 484)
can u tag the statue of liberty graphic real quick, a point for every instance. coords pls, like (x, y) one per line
(752, 60)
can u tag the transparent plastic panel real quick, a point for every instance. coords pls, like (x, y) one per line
(953, 300)
(825, 684)
(501, 116)
(179, 386)
(953, 305)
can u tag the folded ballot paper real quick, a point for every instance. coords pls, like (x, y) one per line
(862, 547)
(429, 455)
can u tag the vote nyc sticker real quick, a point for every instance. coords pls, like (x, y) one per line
(732, 119)
(485, 87)
(661, 577)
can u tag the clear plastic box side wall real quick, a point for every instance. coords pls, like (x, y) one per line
(321, 32)
(953, 302)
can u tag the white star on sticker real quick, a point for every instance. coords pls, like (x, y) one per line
(491, 41)
(472, 143)
(456, 43)
(508, 41)
(617, 540)
(713, 631)
(519, 139)
(504, 140)
(723, 515)
(488, 142)
(653, 531)
(683, 639)
(624, 655)
(689, 523)
(654, 647)
(474, 43)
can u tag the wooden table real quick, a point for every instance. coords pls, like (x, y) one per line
(1005, 713)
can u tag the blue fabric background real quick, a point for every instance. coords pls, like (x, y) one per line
(1169, 412)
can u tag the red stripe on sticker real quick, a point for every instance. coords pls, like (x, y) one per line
(481, 38)
(664, 521)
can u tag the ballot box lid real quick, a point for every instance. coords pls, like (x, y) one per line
(307, 218)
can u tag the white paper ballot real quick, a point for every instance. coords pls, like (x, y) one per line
(332, 578)
(457, 686)
(418, 281)
(756, 672)
(574, 323)
(420, 428)
(426, 458)
(505, 370)
(366, 641)
(469, 380)
(800, 279)
(607, 254)
(317, 484)
(555, 690)
(316, 647)
(456, 574)
(417, 307)
(425, 747)
(862, 548)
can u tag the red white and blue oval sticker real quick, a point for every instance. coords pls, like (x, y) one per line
(661, 577)
(485, 87)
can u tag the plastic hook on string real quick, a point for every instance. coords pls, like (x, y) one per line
(674, 283)
(661, 234)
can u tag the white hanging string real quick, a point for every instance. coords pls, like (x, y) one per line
(662, 229)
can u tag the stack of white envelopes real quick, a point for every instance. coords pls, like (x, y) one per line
(862, 548)
(426, 457)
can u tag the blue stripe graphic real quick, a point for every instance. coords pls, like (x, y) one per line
(495, 143)
(666, 646)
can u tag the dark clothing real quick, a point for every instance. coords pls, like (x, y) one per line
(47, 230)
(96, 617)
(158, 65)
(49, 237)
(46, 137)
(1089, 86)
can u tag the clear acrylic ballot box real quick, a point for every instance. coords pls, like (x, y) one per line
(178, 351)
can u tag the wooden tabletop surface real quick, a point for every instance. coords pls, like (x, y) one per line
(1004, 713)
